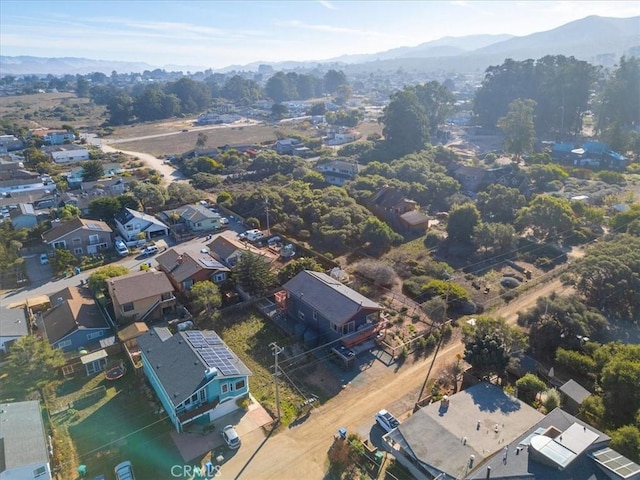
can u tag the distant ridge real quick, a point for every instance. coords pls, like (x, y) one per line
(598, 40)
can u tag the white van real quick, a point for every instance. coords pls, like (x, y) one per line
(254, 235)
(121, 247)
(150, 250)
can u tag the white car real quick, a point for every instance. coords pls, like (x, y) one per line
(44, 259)
(231, 437)
(387, 421)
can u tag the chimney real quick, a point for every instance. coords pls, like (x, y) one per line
(488, 472)
(472, 459)
(60, 300)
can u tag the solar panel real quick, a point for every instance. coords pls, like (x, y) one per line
(615, 462)
(213, 351)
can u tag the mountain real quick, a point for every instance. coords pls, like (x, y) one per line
(25, 65)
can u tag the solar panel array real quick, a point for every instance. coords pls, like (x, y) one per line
(213, 351)
(617, 463)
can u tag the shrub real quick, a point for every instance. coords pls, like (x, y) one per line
(551, 399)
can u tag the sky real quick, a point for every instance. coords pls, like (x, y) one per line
(216, 34)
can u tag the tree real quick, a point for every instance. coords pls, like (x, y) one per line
(34, 362)
(104, 208)
(453, 292)
(379, 236)
(333, 79)
(202, 139)
(151, 196)
(487, 354)
(621, 385)
(513, 337)
(206, 295)
(499, 203)
(438, 103)
(252, 273)
(543, 175)
(530, 386)
(549, 217)
(296, 266)
(462, 220)
(181, 193)
(63, 260)
(406, 125)
(619, 103)
(205, 181)
(279, 111)
(518, 127)
(68, 212)
(494, 237)
(97, 280)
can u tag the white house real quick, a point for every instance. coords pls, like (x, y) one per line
(131, 223)
(70, 156)
(24, 449)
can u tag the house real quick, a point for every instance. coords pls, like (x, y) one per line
(327, 307)
(341, 135)
(24, 448)
(390, 204)
(589, 154)
(79, 236)
(15, 169)
(338, 172)
(129, 338)
(24, 216)
(13, 326)
(25, 185)
(140, 296)
(74, 321)
(186, 265)
(287, 146)
(54, 137)
(131, 224)
(196, 377)
(10, 143)
(451, 438)
(67, 153)
(414, 221)
(109, 187)
(471, 179)
(228, 250)
(196, 218)
(573, 394)
(559, 447)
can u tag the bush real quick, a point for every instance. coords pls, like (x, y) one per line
(551, 399)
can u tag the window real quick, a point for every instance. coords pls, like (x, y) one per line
(61, 244)
(348, 328)
(94, 238)
(224, 388)
(77, 251)
(300, 315)
(315, 315)
(95, 335)
(372, 317)
(194, 397)
(239, 384)
(219, 277)
(64, 344)
(127, 307)
(167, 296)
(333, 326)
(129, 227)
(187, 284)
(77, 241)
(39, 471)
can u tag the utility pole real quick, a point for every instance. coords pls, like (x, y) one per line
(266, 206)
(276, 351)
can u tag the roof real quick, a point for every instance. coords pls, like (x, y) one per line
(178, 366)
(23, 209)
(22, 435)
(138, 285)
(328, 295)
(71, 309)
(572, 436)
(483, 414)
(183, 265)
(193, 213)
(223, 246)
(575, 391)
(619, 465)
(388, 197)
(132, 331)
(127, 214)
(65, 228)
(415, 217)
(13, 322)
(94, 356)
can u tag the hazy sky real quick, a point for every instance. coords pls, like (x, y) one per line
(220, 33)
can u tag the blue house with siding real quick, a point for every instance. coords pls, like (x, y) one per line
(74, 321)
(196, 377)
(327, 307)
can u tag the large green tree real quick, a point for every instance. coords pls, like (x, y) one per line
(206, 294)
(292, 268)
(97, 280)
(151, 196)
(518, 127)
(92, 170)
(462, 220)
(549, 217)
(33, 362)
(487, 354)
(253, 275)
(406, 125)
(499, 203)
(379, 236)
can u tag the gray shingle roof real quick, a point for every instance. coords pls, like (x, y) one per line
(575, 391)
(22, 434)
(178, 367)
(328, 296)
(13, 322)
(139, 285)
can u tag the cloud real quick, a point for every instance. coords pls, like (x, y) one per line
(327, 28)
(327, 4)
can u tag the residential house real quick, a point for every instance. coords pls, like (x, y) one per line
(67, 153)
(338, 172)
(10, 143)
(187, 264)
(74, 321)
(341, 135)
(131, 223)
(54, 137)
(414, 221)
(196, 377)
(140, 296)
(327, 307)
(13, 326)
(41, 200)
(472, 179)
(195, 218)
(573, 394)
(24, 216)
(90, 191)
(24, 448)
(589, 154)
(390, 205)
(15, 169)
(25, 185)
(79, 236)
(287, 146)
(228, 250)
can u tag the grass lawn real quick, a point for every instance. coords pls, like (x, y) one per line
(109, 422)
(248, 335)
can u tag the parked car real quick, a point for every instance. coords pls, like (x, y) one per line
(253, 235)
(121, 247)
(387, 421)
(124, 471)
(44, 259)
(224, 221)
(231, 437)
(150, 250)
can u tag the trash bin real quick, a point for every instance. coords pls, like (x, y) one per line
(343, 433)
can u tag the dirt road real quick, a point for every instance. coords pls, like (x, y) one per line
(168, 172)
(301, 452)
